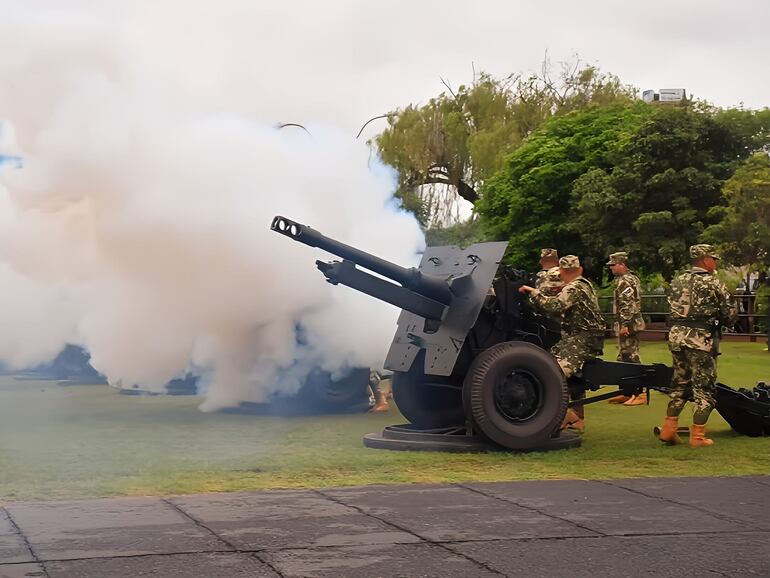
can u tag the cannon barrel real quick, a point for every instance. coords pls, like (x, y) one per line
(434, 288)
(440, 300)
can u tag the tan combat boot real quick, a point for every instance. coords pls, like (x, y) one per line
(574, 420)
(380, 402)
(668, 433)
(619, 399)
(698, 436)
(640, 399)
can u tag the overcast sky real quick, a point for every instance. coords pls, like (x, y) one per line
(344, 61)
(391, 53)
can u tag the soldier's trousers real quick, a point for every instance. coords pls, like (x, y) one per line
(695, 377)
(572, 351)
(628, 349)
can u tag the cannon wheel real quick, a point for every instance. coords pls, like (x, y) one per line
(431, 401)
(516, 395)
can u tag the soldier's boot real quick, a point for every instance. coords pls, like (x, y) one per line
(380, 402)
(698, 437)
(572, 420)
(668, 433)
(569, 417)
(578, 425)
(619, 399)
(575, 419)
(640, 399)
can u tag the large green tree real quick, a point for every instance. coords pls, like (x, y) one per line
(743, 231)
(447, 148)
(657, 198)
(528, 201)
(641, 177)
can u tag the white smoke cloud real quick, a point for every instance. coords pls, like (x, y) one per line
(138, 225)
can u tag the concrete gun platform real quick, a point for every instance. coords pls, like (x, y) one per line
(653, 526)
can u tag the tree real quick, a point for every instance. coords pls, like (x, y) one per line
(528, 201)
(658, 196)
(743, 232)
(446, 149)
(639, 177)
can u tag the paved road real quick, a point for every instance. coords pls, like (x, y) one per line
(661, 527)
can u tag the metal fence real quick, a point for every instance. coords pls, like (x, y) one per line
(753, 315)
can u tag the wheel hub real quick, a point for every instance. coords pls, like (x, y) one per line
(518, 396)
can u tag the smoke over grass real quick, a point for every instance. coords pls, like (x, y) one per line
(138, 222)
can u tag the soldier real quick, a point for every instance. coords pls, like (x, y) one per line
(628, 318)
(582, 325)
(379, 394)
(700, 305)
(547, 279)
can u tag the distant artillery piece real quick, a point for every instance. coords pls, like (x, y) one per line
(321, 393)
(71, 366)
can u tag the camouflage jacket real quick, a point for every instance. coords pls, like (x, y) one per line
(627, 305)
(700, 304)
(577, 305)
(548, 281)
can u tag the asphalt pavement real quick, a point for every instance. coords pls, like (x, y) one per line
(637, 527)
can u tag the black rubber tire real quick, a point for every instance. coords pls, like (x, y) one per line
(544, 377)
(430, 401)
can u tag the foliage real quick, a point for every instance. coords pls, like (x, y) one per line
(657, 199)
(527, 202)
(462, 234)
(653, 283)
(743, 234)
(641, 178)
(459, 139)
(761, 307)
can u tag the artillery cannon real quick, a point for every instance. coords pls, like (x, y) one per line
(469, 358)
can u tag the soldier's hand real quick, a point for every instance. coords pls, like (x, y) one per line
(526, 289)
(624, 331)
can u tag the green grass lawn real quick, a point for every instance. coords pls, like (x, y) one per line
(88, 441)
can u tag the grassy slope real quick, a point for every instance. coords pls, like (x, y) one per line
(86, 441)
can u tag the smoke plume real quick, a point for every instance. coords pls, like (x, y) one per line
(140, 167)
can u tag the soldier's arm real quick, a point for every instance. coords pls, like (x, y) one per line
(728, 312)
(558, 304)
(625, 304)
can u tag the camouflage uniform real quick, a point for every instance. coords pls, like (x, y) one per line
(700, 305)
(582, 324)
(548, 281)
(628, 311)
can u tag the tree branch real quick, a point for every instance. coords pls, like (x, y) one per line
(464, 190)
(368, 121)
(449, 88)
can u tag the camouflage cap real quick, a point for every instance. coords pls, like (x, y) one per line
(618, 258)
(569, 262)
(703, 250)
(545, 253)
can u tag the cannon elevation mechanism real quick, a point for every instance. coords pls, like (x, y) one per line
(470, 361)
